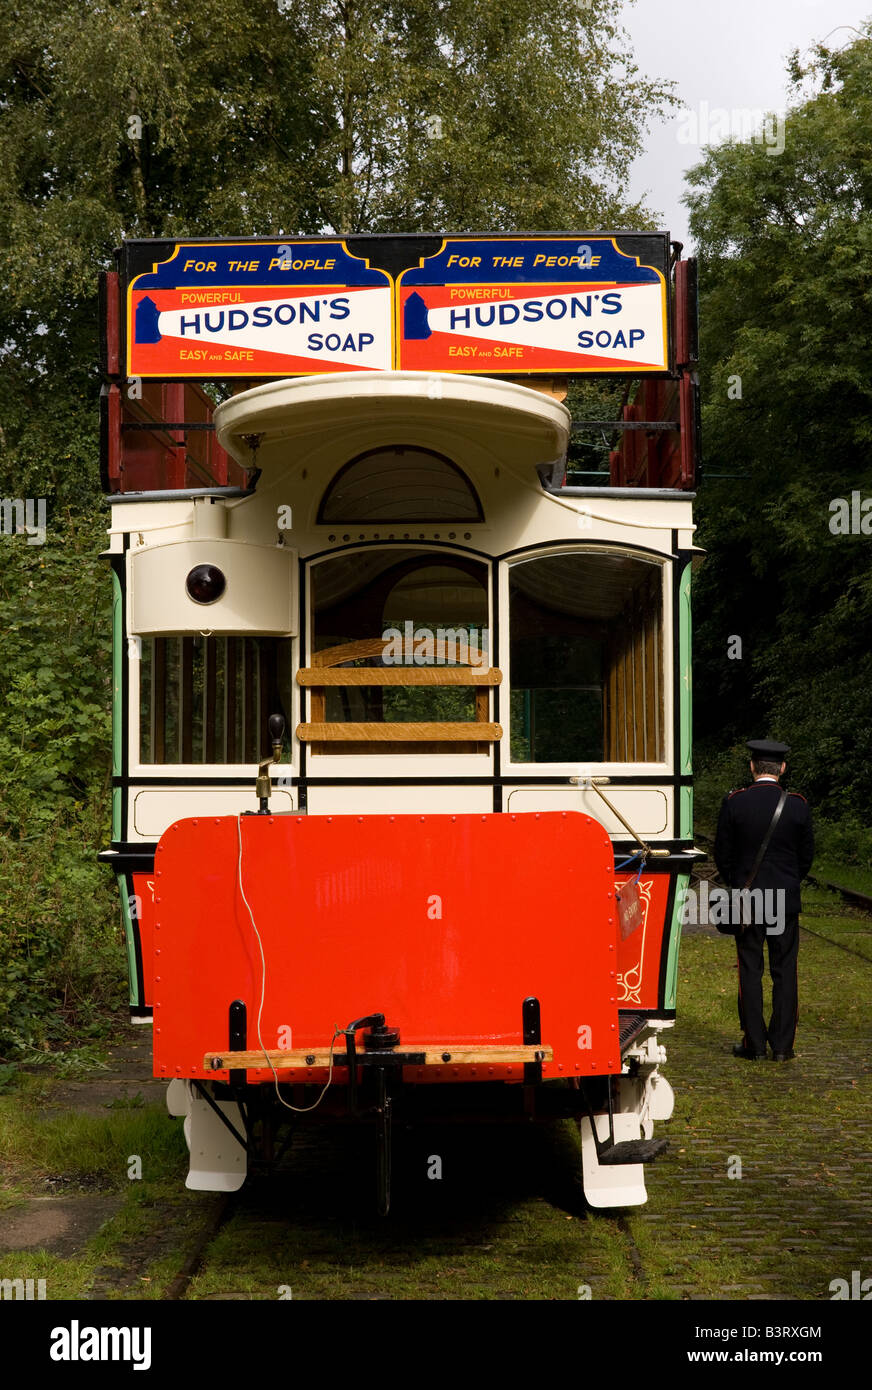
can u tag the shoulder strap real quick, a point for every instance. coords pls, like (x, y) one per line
(766, 838)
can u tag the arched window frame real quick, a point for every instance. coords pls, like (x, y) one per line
(441, 520)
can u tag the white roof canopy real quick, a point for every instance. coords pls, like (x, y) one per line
(353, 409)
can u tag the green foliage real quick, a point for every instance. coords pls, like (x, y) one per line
(786, 253)
(60, 962)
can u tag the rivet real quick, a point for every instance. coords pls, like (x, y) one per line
(195, 822)
(157, 979)
(270, 820)
(157, 900)
(217, 820)
(158, 872)
(161, 848)
(613, 1026)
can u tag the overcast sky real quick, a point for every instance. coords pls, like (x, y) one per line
(729, 54)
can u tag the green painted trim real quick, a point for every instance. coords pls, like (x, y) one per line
(117, 793)
(685, 667)
(117, 674)
(131, 941)
(671, 987)
(686, 813)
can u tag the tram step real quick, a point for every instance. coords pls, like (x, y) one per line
(632, 1151)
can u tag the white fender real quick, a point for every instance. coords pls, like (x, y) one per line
(611, 1185)
(177, 1097)
(218, 1162)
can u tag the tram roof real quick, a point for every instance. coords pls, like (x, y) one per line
(527, 426)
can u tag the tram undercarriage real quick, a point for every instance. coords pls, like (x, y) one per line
(233, 1130)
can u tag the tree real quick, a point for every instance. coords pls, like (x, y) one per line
(786, 266)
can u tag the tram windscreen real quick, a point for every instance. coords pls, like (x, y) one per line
(401, 608)
(586, 659)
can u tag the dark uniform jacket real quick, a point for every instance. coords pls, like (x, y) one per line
(743, 822)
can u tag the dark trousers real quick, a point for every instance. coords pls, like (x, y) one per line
(783, 952)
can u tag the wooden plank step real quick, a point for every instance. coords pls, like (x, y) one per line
(434, 1056)
(398, 675)
(472, 731)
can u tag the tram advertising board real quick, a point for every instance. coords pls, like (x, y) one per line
(501, 305)
(218, 309)
(533, 304)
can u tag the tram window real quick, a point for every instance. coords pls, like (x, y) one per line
(586, 659)
(208, 699)
(400, 484)
(415, 610)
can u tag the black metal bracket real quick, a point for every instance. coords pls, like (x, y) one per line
(383, 1142)
(238, 1038)
(532, 1035)
(245, 1142)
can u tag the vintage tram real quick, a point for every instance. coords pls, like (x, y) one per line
(402, 742)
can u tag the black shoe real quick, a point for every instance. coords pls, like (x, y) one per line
(739, 1050)
(783, 1056)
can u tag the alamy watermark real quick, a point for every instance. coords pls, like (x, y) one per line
(712, 125)
(439, 646)
(723, 907)
(851, 518)
(27, 1289)
(19, 515)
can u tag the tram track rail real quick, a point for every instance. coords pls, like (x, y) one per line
(220, 1214)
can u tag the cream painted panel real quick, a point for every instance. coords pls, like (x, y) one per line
(393, 765)
(388, 800)
(528, 425)
(646, 808)
(155, 809)
(260, 595)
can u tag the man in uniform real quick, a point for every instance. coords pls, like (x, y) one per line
(744, 822)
